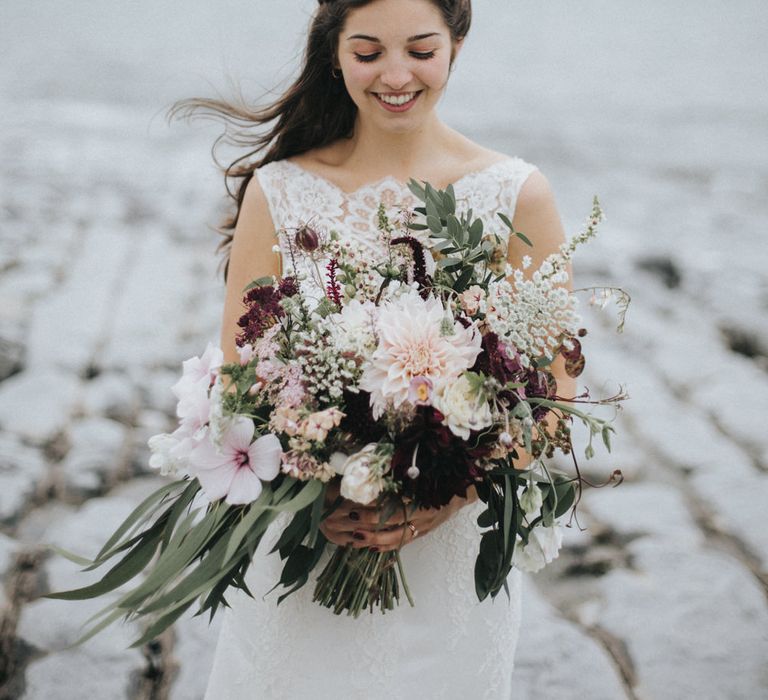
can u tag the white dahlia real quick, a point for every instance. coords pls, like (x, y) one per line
(416, 339)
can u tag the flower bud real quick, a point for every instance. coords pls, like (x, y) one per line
(307, 239)
(506, 439)
(413, 471)
(531, 500)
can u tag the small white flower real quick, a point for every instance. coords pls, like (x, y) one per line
(532, 499)
(543, 547)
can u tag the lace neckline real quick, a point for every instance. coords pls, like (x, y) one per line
(390, 179)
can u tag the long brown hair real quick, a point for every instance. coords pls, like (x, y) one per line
(314, 111)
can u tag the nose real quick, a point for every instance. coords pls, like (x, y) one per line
(396, 74)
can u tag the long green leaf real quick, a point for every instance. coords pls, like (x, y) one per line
(129, 566)
(175, 559)
(255, 511)
(137, 513)
(160, 626)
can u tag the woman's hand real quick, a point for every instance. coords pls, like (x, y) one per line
(358, 525)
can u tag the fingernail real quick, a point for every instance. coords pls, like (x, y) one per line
(373, 549)
(358, 535)
(354, 515)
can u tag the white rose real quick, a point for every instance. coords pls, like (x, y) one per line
(543, 547)
(359, 483)
(463, 409)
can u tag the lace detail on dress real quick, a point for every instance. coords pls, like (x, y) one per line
(448, 645)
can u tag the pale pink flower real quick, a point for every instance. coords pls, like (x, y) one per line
(293, 393)
(316, 426)
(197, 370)
(469, 300)
(194, 405)
(236, 469)
(285, 419)
(416, 339)
(420, 391)
(246, 354)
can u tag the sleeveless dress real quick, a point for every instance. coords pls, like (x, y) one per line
(449, 645)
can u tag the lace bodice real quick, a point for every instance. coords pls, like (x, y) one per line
(297, 196)
(449, 645)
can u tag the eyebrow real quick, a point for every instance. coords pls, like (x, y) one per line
(376, 40)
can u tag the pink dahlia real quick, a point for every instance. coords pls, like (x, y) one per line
(235, 470)
(416, 339)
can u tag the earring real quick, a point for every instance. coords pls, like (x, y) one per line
(336, 74)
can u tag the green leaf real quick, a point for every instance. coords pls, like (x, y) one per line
(434, 223)
(181, 503)
(463, 280)
(475, 233)
(134, 517)
(506, 221)
(74, 558)
(486, 519)
(161, 625)
(114, 615)
(454, 228)
(129, 566)
(260, 282)
(524, 238)
(255, 511)
(309, 492)
(416, 188)
(183, 548)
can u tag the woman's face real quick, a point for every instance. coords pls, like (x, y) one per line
(395, 56)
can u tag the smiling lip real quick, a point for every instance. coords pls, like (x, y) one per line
(397, 108)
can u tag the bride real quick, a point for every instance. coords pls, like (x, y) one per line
(356, 125)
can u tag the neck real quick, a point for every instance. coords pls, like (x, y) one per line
(395, 153)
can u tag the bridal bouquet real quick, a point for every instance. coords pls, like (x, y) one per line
(407, 378)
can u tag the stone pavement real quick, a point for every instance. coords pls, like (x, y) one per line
(108, 282)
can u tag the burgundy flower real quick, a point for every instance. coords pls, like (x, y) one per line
(262, 312)
(307, 239)
(359, 419)
(498, 360)
(288, 287)
(446, 463)
(419, 262)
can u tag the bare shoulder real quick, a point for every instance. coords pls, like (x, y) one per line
(536, 215)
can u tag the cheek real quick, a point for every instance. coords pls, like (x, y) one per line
(435, 73)
(358, 76)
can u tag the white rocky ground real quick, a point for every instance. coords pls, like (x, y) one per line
(108, 280)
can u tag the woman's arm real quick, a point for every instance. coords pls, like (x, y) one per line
(251, 257)
(537, 217)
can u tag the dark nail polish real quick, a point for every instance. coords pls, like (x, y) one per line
(374, 549)
(354, 515)
(358, 535)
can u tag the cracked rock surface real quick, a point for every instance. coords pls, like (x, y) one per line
(108, 280)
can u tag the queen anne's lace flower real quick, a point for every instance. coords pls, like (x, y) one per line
(532, 314)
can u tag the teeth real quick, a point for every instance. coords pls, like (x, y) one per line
(397, 99)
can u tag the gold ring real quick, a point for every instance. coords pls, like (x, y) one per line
(413, 529)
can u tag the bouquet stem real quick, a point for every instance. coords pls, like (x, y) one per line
(356, 579)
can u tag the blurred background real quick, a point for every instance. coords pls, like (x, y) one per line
(108, 280)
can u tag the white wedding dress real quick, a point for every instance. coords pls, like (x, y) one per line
(449, 645)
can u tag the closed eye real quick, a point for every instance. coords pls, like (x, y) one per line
(368, 57)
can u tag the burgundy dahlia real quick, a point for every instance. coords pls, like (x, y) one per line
(445, 462)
